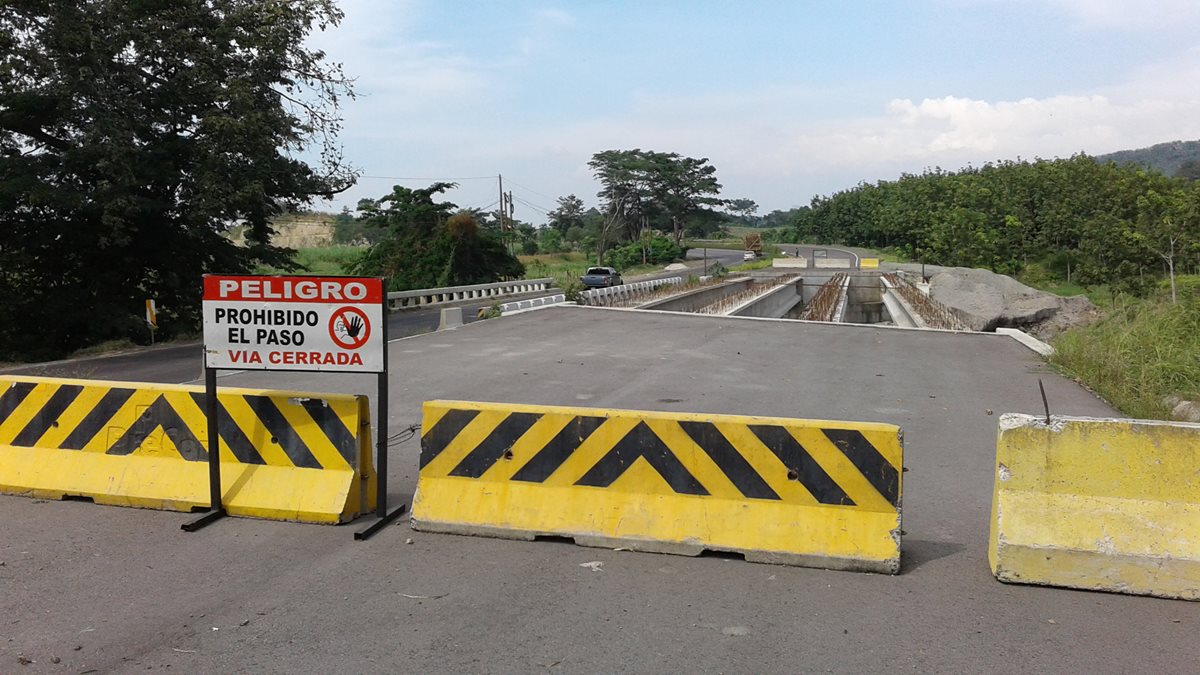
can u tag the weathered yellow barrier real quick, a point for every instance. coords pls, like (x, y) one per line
(813, 493)
(284, 455)
(868, 263)
(1098, 504)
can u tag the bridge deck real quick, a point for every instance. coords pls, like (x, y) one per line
(132, 591)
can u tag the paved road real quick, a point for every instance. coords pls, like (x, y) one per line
(177, 364)
(123, 590)
(183, 363)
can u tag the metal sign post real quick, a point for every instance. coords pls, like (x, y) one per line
(295, 323)
(381, 449)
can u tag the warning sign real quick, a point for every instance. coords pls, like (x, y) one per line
(294, 323)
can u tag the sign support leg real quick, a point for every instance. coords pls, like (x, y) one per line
(381, 446)
(215, 510)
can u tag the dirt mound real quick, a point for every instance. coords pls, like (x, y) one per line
(986, 301)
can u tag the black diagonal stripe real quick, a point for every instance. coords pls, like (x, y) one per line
(12, 397)
(333, 427)
(282, 432)
(160, 414)
(241, 446)
(642, 442)
(879, 472)
(97, 417)
(435, 440)
(48, 415)
(729, 460)
(565, 442)
(491, 448)
(796, 458)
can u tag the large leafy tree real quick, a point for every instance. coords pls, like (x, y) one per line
(662, 190)
(429, 244)
(568, 214)
(132, 135)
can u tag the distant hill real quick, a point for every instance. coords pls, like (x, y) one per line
(1168, 158)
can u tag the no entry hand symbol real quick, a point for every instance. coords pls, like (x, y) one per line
(349, 328)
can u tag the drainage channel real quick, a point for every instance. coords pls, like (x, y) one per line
(836, 297)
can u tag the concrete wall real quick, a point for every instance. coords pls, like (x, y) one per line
(865, 301)
(692, 301)
(774, 305)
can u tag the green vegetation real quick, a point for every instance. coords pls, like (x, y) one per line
(332, 260)
(1086, 223)
(128, 145)
(1141, 352)
(428, 246)
(566, 268)
(1176, 158)
(648, 251)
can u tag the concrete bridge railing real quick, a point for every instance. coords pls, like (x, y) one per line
(437, 296)
(516, 305)
(594, 296)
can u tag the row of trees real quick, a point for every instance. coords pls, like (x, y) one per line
(1089, 222)
(644, 195)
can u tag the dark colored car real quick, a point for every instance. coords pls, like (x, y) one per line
(600, 277)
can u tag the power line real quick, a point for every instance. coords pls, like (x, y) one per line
(533, 206)
(523, 187)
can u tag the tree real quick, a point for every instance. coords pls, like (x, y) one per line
(662, 190)
(1167, 224)
(568, 214)
(132, 136)
(742, 208)
(429, 245)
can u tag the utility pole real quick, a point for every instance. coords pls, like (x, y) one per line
(501, 179)
(507, 206)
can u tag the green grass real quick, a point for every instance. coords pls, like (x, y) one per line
(331, 260)
(566, 268)
(1141, 352)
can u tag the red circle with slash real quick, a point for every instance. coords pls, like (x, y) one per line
(346, 316)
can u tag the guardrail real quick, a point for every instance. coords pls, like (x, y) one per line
(597, 296)
(437, 296)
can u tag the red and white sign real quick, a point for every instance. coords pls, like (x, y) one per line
(294, 323)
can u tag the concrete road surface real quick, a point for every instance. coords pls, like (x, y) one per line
(105, 589)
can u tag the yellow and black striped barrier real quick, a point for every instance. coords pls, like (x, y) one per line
(284, 455)
(802, 492)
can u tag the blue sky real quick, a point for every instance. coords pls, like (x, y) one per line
(787, 99)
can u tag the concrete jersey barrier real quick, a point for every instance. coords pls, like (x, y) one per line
(802, 492)
(1098, 504)
(284, 455)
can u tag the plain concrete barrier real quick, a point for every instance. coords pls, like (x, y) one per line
(1098, 504)
(451, 317)
(801, 492)
(789, 262)
(833, 263)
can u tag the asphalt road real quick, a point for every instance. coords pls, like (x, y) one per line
(183, 363)
(109, 589)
